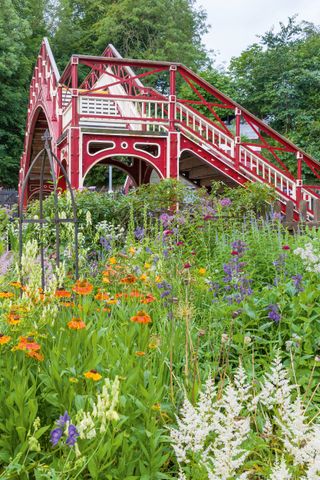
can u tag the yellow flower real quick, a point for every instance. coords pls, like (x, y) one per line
(202, 271)
(147, 266)
(4, 339)
(105, 280)
(112, 260)
(132, 250)
(152, 346)
(143, 277)
(158, 279)
(73, 380)
(93, 375)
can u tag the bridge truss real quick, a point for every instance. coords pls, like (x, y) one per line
(101, 110)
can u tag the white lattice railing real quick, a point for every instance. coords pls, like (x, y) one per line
(251, 162)
(205, 129)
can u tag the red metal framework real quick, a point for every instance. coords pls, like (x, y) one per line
(115, 112)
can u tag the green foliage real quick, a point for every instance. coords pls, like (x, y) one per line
(278, 80)
(138, 29)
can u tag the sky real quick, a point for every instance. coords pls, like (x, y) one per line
(235, 24)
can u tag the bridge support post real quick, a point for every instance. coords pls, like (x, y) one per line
(237, 139)
(75, 159)
(299, 179)
(173, 155)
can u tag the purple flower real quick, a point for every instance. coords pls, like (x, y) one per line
(72, 435)
(166, 219)
(5, 262)
(297, 279)
(274, 313)
(225, 202)
(105, 243)
(63, 419)
(139, 233)
(55, 436)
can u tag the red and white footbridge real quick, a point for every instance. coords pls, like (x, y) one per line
(100, 110)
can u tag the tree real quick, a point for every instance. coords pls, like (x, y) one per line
(153, 29)
(13, 94)
(278, 80)
(22, 27)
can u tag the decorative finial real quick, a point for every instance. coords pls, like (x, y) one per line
(46, 137)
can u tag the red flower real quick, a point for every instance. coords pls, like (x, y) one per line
(187, 265)
(285, 247)
(234, 252)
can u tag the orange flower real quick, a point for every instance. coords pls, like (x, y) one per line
(140, 354)
(27, 343)
(13, 318)
(143, 277)
(6, 294)
(129, 279)
(82, 287)
(112, 260)
(141, 317)
(202, 271)
(135, 294)
(67, 304)
(4, 339)
(93, 375)
(148, 298)
(62, 293)
(102, 296)
(36, 355)
(76, 324)
(109, 271)
(111, 301)
(15, 284)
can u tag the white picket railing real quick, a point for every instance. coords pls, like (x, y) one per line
(251, 162)
(205, 129)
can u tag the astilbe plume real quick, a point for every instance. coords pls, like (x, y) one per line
(212, 434)
(280, 471)
(221, 421)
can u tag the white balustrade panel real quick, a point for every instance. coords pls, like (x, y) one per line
(205, 129)
(267, 173)
(67, 116)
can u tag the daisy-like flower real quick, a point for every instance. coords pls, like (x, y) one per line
(140, 354)
(36, 355)
(67, 304)
(13, 318)
(129, 279)
(135, 294)
(62, 293)
(15, 284)
(82, 287)
(141, 317)
(202, 271)
(28, 343)
(102, 296)
(93, 375)
(148, 298)
(4, 339)
(6, 295)
(76, 324)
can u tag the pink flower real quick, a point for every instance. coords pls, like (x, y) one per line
(168, 232)
(285, 247)
(234, 252)
(179, 243)
(187, 265)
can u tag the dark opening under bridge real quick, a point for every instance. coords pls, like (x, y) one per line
(111, 115)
